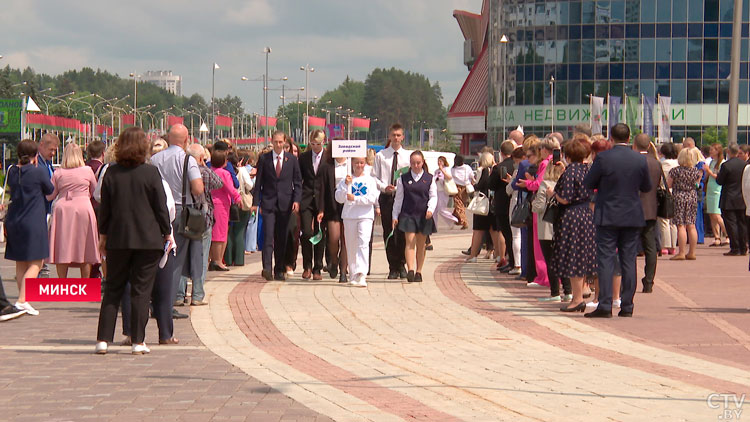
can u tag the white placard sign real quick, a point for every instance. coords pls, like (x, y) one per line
(349, 148)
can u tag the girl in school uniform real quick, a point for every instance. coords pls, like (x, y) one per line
(415, 202)
(359, 194)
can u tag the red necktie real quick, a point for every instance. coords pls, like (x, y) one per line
(278, 166)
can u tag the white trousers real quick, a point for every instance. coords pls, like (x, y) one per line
(357, 232)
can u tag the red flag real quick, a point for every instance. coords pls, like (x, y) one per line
(128, 120)
(262, 121)
(175, 120)
(223, 122)
(361, 125)
(316, 122)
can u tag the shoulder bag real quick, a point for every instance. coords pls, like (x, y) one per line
(521, 214)
(552, 211)
(479, 205)
(450, 188)
(664, 200)
(193, 216)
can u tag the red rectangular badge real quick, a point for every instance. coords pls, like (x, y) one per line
(63, 289)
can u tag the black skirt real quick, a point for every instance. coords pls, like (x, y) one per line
(409, 224)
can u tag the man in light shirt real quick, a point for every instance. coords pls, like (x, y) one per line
(386, 169)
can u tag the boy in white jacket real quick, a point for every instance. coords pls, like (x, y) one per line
(359, 194)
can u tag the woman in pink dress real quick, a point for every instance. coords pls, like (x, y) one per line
(73, 237)
(223, 199)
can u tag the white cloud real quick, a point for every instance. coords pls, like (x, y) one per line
(254, 12)
(56, 59)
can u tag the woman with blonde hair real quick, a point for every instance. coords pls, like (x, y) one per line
(713, 193)
(683, 180)
(73, 233)
(483, 223)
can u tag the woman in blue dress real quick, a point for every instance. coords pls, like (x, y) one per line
(26, 222)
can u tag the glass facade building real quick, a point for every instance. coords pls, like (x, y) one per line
(675, 48)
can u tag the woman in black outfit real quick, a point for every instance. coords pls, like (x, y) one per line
(134, 232)
(333, 172)
(484, 223)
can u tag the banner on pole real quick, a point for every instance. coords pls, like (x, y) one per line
(597, 108)
(665, 110)
(10, 116)
(613, 116)
(648, 115)
(631, 112)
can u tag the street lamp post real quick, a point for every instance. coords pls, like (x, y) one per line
(503, 44)
(265, 80)
(213, 102)
(552, 99)
(135, 77)
(307, 69)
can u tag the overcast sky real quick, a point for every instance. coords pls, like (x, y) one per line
(336, 37)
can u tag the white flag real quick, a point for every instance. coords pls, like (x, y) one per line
(597, 108)
(31, 105)
(665, 111)
(216, 66)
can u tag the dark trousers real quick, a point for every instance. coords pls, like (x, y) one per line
(123, 265)
(548, 251)
(503, 221)
(292, 242)
(312, 255)
(397, 244)
(648, 243)
(275, 230)
(3, 299)
(734, 220)
(612, 242)
(530, 259)
(235, 252)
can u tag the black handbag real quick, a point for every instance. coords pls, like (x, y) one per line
(552, 211)
(664, 200)
(521, 214)
(193, 217)
(234, 213)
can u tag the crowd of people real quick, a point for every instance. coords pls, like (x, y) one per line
(575, 213)
(152, 216)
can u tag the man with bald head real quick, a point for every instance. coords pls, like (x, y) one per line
(649, 204)
(171, 165)
(516, 136)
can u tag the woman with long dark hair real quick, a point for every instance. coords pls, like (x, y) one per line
(334, 171)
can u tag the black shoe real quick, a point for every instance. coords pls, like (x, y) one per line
(267, 274)
(43, 272)
(625, 314)
(280, 277)
(410, 276)
(343, 278)
(393, 275)
(732, 253)
(578, 308)
(402, 273)
(428, 247)
(213, 266)
(598, 313)
(178, 315)
(417, 277)
(333, 272)
(505, 268)
(466, 252)
(11, 312)
(648, 288)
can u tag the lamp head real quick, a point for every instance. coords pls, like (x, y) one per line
(244, 78)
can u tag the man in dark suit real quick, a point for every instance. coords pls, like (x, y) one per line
(278, 191)
(501, 203)
(731, 202)
(310, 214)
(649, 204)
(618, 174)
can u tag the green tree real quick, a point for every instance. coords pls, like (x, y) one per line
(711, 136)
(349, 95)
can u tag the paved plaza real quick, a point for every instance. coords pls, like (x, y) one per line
(467, 344)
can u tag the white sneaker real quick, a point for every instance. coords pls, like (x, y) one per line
(101, 348)
(549, 299)
(515, 271)
(567, 298)
(362, 282)
(592, 304)
(616, 303)
(471, 260)
(140, 349)
(534, 284)
(26, 306)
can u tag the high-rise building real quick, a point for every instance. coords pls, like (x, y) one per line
(583, 48)
(164, 79)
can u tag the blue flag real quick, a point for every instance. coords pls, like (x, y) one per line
(648, 115)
